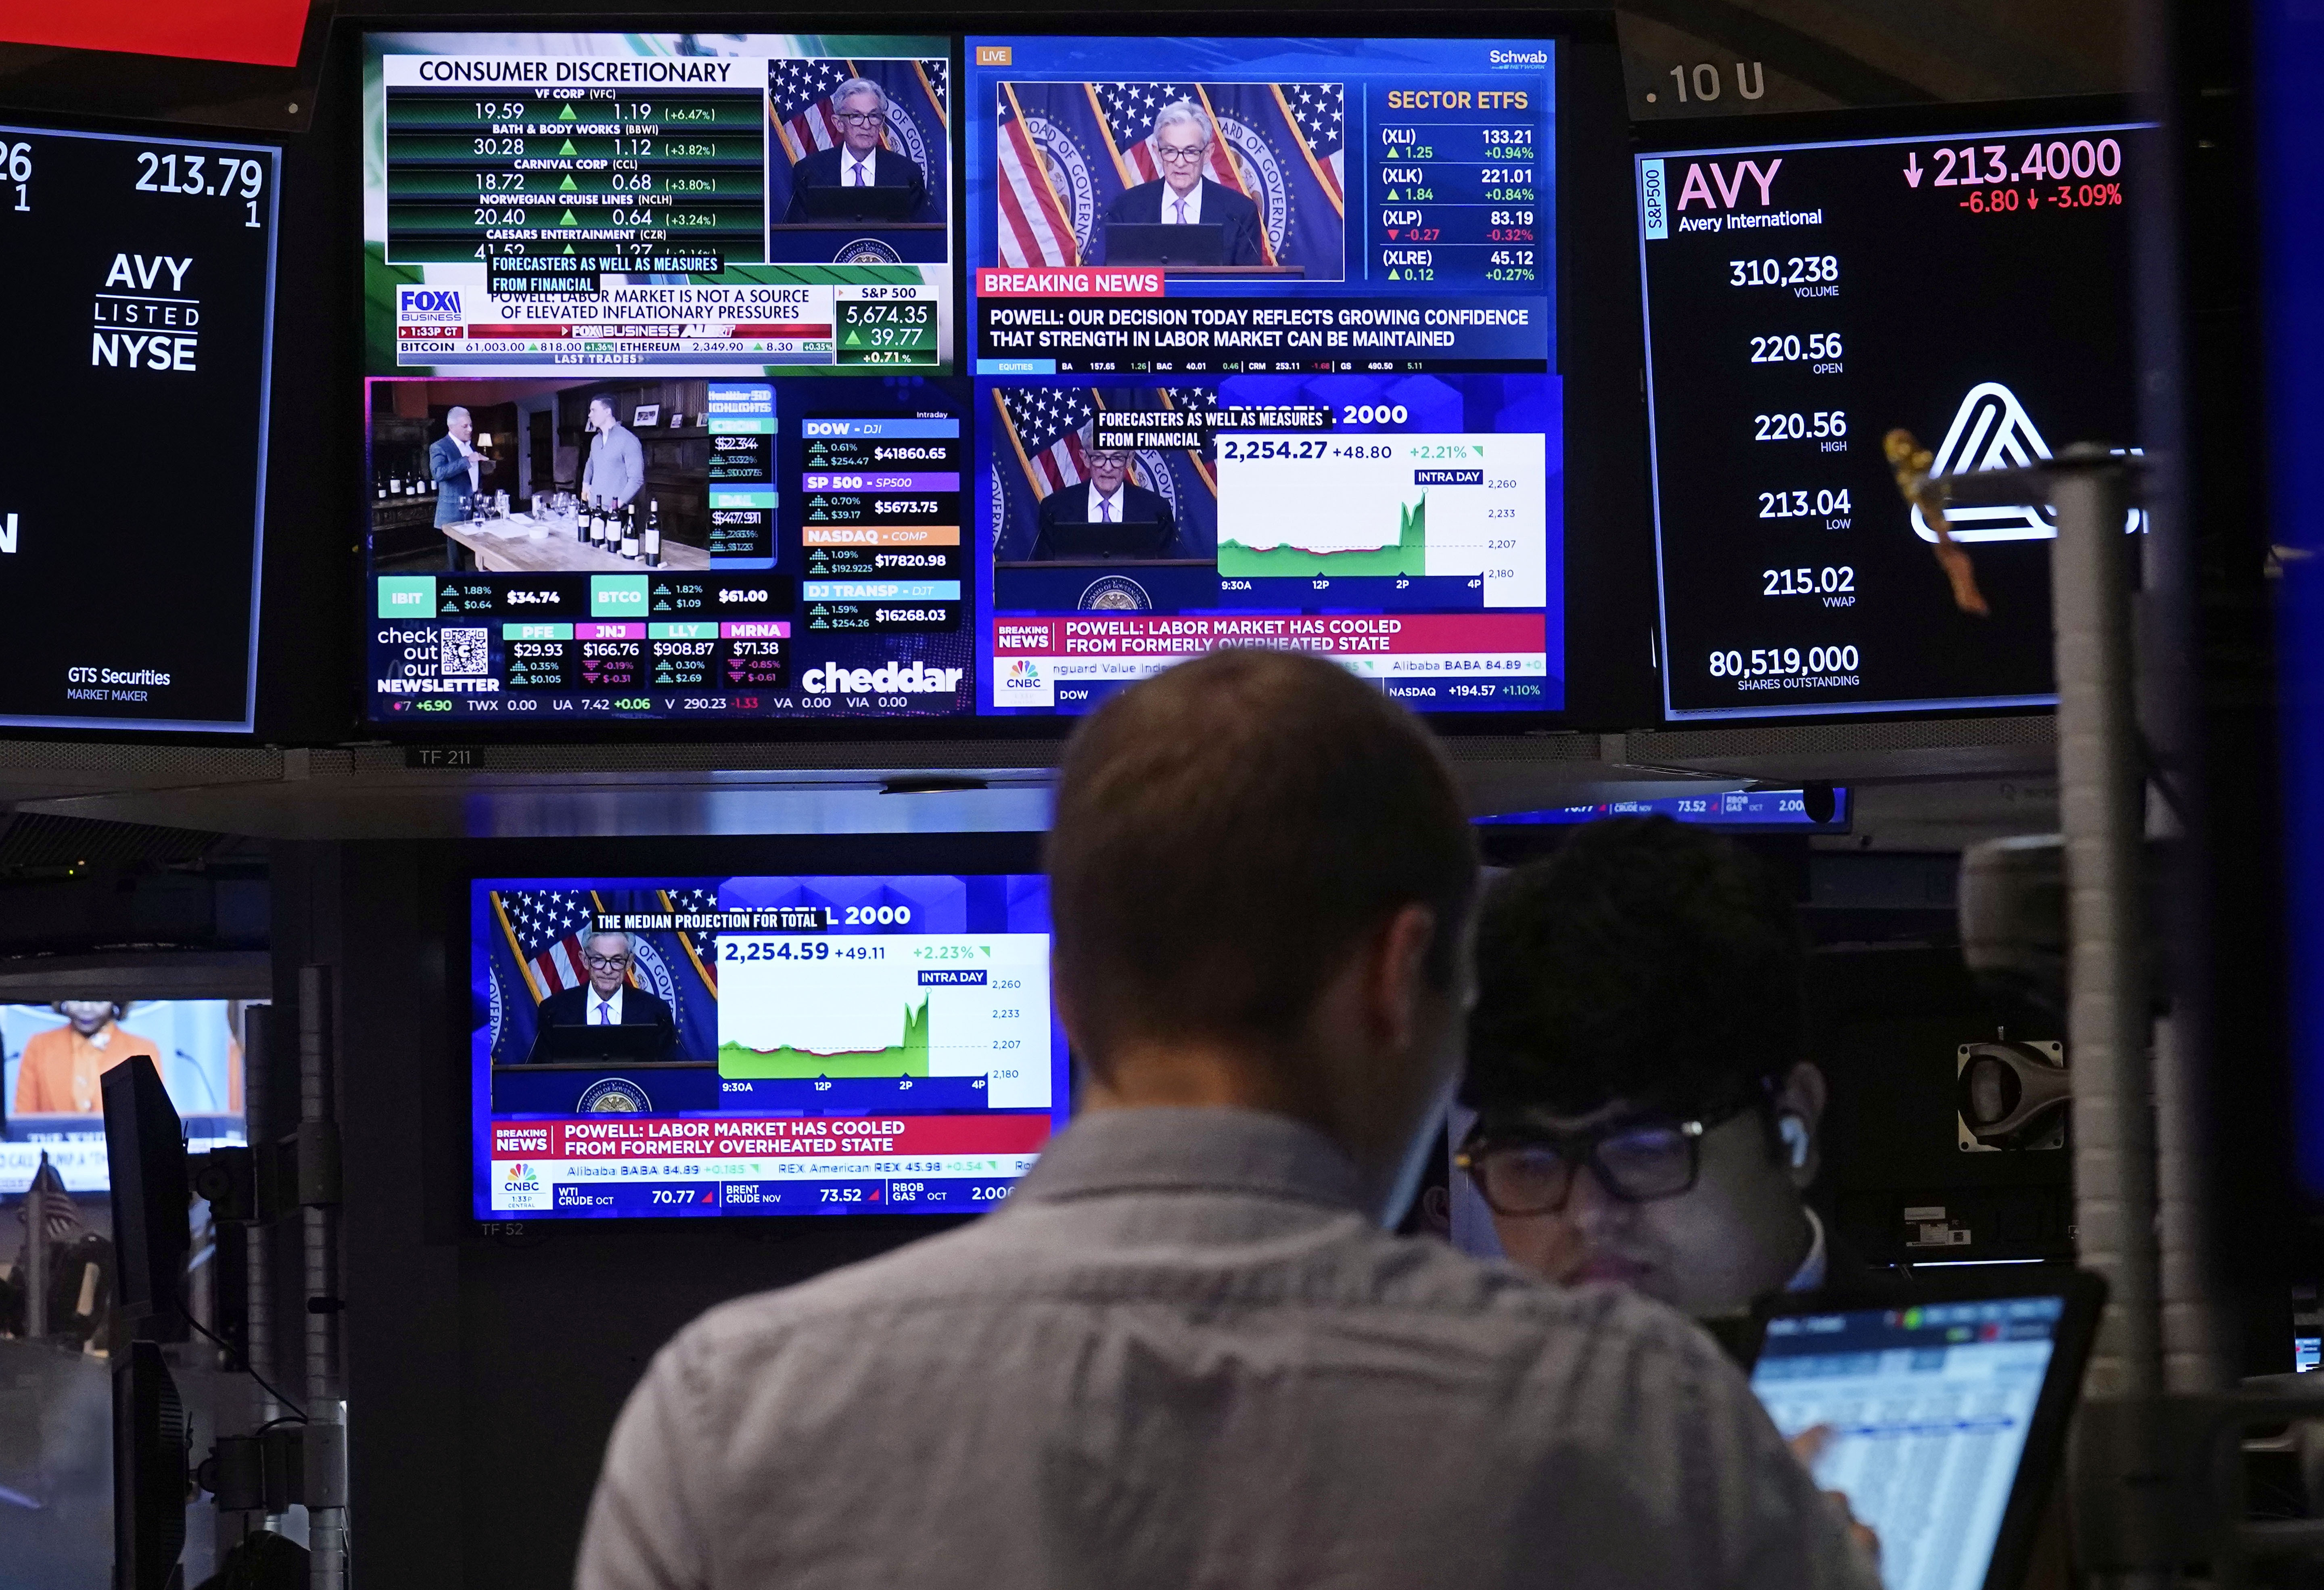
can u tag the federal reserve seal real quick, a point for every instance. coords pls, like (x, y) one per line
(866, 251)
(1113, 594)
(613, 1095)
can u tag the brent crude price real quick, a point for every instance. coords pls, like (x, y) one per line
(1802, 300)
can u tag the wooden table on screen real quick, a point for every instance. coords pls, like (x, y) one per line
(506, 546)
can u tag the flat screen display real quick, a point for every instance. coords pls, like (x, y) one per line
(702, 1046)
(1264, 344)
(704, 204)
(1802, 300)
(140, 276)
(55, 1054)
(1929, 1410)
(652, 423)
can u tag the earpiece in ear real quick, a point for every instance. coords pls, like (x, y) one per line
(1794, 1134)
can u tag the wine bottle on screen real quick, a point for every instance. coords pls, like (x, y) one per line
(630, 531)
(653, 533)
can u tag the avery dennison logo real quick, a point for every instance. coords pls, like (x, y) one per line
(1992, 430)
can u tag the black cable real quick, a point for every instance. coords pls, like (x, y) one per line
(227, 1347)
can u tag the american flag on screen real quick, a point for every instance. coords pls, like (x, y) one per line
(1044, 423)
(1034, 229)
(800, 92)
(1128, 111)
(1319, 110)
(547, 926)
(703, 948)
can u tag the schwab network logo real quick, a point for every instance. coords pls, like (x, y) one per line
(1992, 430)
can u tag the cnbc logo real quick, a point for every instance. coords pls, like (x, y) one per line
(1024, 674)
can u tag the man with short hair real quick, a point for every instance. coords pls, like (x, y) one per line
(459, 470)
(1182, 196)
(1184, 1353)
(616, 470)
(859, 160)
(1646, 1112)
(607, 999)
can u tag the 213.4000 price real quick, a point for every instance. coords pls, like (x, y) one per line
(1771, 662)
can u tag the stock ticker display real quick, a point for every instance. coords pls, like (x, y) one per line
(1260, 349)
(1265, 350)
(140, 272)
(702, 1046)
(1804, 300)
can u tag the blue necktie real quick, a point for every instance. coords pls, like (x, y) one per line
(604, 1012)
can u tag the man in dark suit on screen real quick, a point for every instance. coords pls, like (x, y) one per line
(860, 105)
(1182, 196)
(606, 1000)
(1106, 517)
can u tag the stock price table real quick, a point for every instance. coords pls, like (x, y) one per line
(1460, 178)
(1803, 301)
(551, 186)
(880, 525)
(139, 274)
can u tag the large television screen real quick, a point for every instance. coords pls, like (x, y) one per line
(55, 1053)
(1264, 343)
(1804, 299)
(139, 274)
(652, 431)
(698, 1046)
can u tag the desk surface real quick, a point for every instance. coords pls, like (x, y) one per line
(508, 546)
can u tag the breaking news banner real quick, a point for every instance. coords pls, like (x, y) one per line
(1167, 206)
(1410, 526)
(666, 203)
(695, 1046)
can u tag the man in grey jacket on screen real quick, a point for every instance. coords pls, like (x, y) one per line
(616, 470)
(1184, 1353)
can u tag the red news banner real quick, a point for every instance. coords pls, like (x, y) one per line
(596, 1138)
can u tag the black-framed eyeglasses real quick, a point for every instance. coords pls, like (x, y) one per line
(603, 962)
(1529, 1169)
(861, 118)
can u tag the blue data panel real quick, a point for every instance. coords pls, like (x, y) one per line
(685, 1046)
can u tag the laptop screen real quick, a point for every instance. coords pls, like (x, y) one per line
(1928, 1409)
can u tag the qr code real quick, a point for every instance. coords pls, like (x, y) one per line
(467, 653)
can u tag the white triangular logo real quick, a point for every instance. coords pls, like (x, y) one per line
(1992, 430)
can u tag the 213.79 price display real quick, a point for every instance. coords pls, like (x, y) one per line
(139, 274)
(1804, 300)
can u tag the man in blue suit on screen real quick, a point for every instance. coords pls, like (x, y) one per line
(606, 1000)
(1182, 196)
(859, 159)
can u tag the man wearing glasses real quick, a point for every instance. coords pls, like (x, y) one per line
(1182, 196)
(1107, 517)
(1644, 1115)
(821, 182)
(607, 1000)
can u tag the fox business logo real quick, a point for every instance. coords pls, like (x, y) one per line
(892, 679)
(428, 300)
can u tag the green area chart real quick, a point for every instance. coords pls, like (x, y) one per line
(906, 1058)
(1406, 555)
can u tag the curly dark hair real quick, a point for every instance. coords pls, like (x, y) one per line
(1644, 962)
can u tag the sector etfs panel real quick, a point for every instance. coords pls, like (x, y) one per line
(140, 276)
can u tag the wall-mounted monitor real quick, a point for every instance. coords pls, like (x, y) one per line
(697, 1046)
(1264, 340)
(1804, 299)
(140, 276)
(56, 1053)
